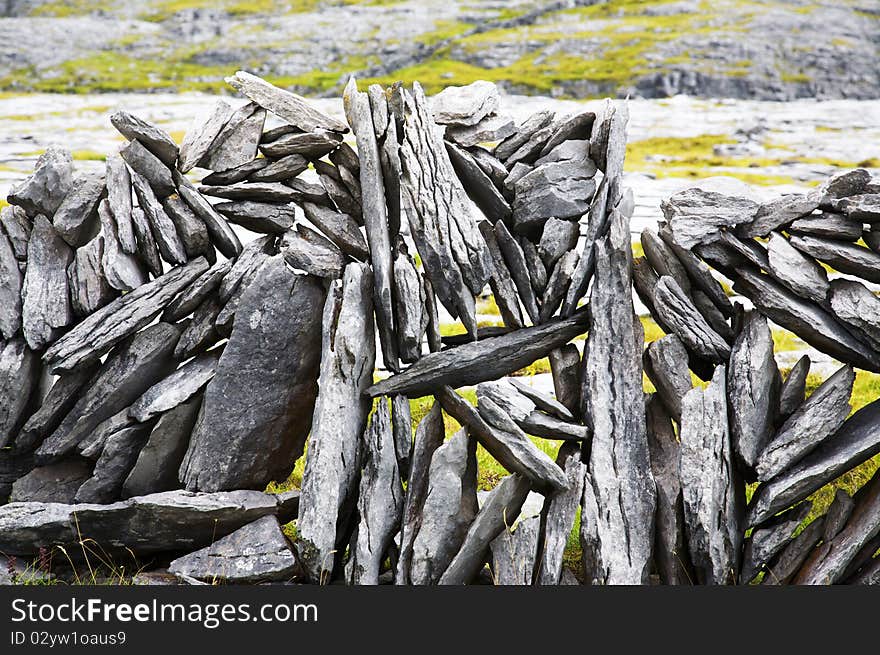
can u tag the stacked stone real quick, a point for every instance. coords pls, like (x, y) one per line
(749, 425)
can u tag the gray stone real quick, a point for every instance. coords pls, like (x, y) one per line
(75, 220)
(147, 165)
(118, 182)
(664, 260)
(793, 554)
(571, 150)
(408, 306)
(19, 376)
(697, 215)
(795, 270)
(557, 238)
(288, 106)
(44, 190)
(815, 421)
(769, 539)
(340, 228)
(542, 401)
(55, 483)
(514, 552)
(240, 173)
(844, 185)
(10, 289)
(177, 388)
(518, 268)
(282, 169)
(855, 305)
(200, 333)
(92, 446)
(559, 189)
(558, 284)
(257, 410)
(264, 217)
(575, 127)
(516, 173)
(257, 552)
(401, 424)
(502, 284)
(45, 299)
(665, 362)
(190, 228)
(311, 145)
(97, 334)
(329, 485)
(844, 257)
(838, 514)
(829, 226)
(678, 312)
(88, 286)
(864, 207)
(566, 371)
(117, 458)
(778, 213)
(793, 389)
(147, 249)
(153, 138)
(528, 152)
(537, 271)
(700, 274)
(490, 129)
(196, 293)
(753, 385)
(524, 132)
(164, 232)
(477, 184)
(465, 105)
(221, 234)
(856, 441)
(201, 135)
(15, 223)
(122, 271)
(157, 463)
(314, 256)
(713, 497)
(237, 142)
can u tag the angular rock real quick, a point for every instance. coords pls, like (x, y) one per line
(97, 334)
(44, 190)
(844, 257)
(477, 184)
(288, 106)
(316, 257)
(503, 287)
(792, 393)
(92, 446)
(769, 539)
(237, 142)
(310, 145)
(490, 129)
(122, 271)
(465, 105)
(282, 169)
(816, 420)
(557, 238)
(147, 165)
(408, 305)
(829, 226)
(537, 270)
(75, 220)
(191, 229)
(340, 228)
(713, 497)
(518, 268)
(152, 137)
(566, 371)
(88, 286)
(557, 518)
(558, 284)
(529, 151)
(514, 552)
(856, 441)
(559, 189)
(807, 320)
(795, 270)
(201, 135)
(864, 207)
(483, 360)
(257, 552)
(524, 132)
(264, 217)
(700, 274)
(55, 483)
(221, 234)
(238, 174)
(257, 410)
(197, 292)
(779, 212)
(793, 555)
(147, 249)
(844, 185)
(118, 182)
(164, 232)
(697, 215)
(677, 311)
(753, 385)
(10, 289)
(15, 222)
(664, 260)
(177, 388)
(837, 515)
(543, 401)
(401, 424)
(117, 458)
(45, 299)
(19, 376)
(665, 363)
(855, 305)
(201, 333)
(329, 485)
(157, 463)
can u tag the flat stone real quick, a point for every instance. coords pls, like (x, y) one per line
(490, 129)
(664, 260)
(524, 132)
(838, 514)
(793, 389)
(558, 284)
(237, 142)
(75, 220)
(557, 238)
(713, 499)
(864, 207)
(769, 539)
(55, 483)
(857, 440)
(309, 145)
(122, 271)
(477, 184)
(147, 249)
(502, 284)
(221, 234)
(44, 190)
(816, 420)
(491, 166)
(795, 270)
(177, 388)
(157, 463)
(408, 304)
(514, 552)
(698, 214)
(336, 191)
(119, 453)
(153, 138)
(853, 303)
(10, 289)
(97, 334)
(19, 377)
(257, 409)
(753, 385)
(15, 223)
(162, 227)
(263, 217)
(340, 228)
(779, 213)
(543, 401)
(45, 299)
(88, 286)
(679, 313)
(196, 293)
(200, 333)
(529, 151)
(118, 183)
(811, 323)
(518, 268)
(257, 552)
(288, 106)
(201, 135)
(465, 105)
(281, 169)
(380, 499)
(329, 484)
(314, 256)
(829, 226)
(700, 274)
(245, 266)
(665, 363)
(147, 165)
(844, 257)
(190, 228)
(559, 189)
(844, 185)
(793, 554)
(239, 173)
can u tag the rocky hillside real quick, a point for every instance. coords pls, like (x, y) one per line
(763, 49)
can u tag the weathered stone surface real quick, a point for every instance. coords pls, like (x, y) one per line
(862, 527)
(337, 192)
(537, 271)
(566, 371)
(487, 359)
(122, 271)
(559, 189)
(118, 182)
(779, 212)
(308, 251)
(311, 145)
(97, 334)
(288, 106)
(844, 257)
(197, 292)
(697, 215)
(93, 444)
(268, 218)
(119, 453)
(769, 539)
(147, 165)
(191, 229)
(503, 503)
(164, 232)
(829, 226)
(857, 440)
(753, 385)
(127, 373)
(571, 150)
(620, 470)
(257, 552)
(529, 151)
(558, 284)
(19, 376)
(257, 409)
(678, 312)
(200, 333)
(45, 299)
(10, 289)
(838, 514)
(792, 393)
(465, 105)
(670, 552)
(237, 142)
(170, 521)
(201, 135)
(700, 274)
(329, 486)
(793, 555)
(713, 496)
(855, 305)
(816, 420)
(55, 483)
(477, 184)
(75, 220)
(795, 270)
(177, 388)
(257, 191)
(518, 268)
(557, 517)
(221, 234)
(807, 320)
(15, 223)
(514, 552)
(44, 190)
(88, 286)
(282, 169)
(557, 238)
(864, 207)
(401, 424)
(524, 132)
(502, 284)
(147, 249)
(543, 401)
(429, 436)
(663, 260)
(666, 366)
(340, 228)
(157, 463)
(153, 138)
(239, 173)
(489, 129)
(408, 306)
(845, 184)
